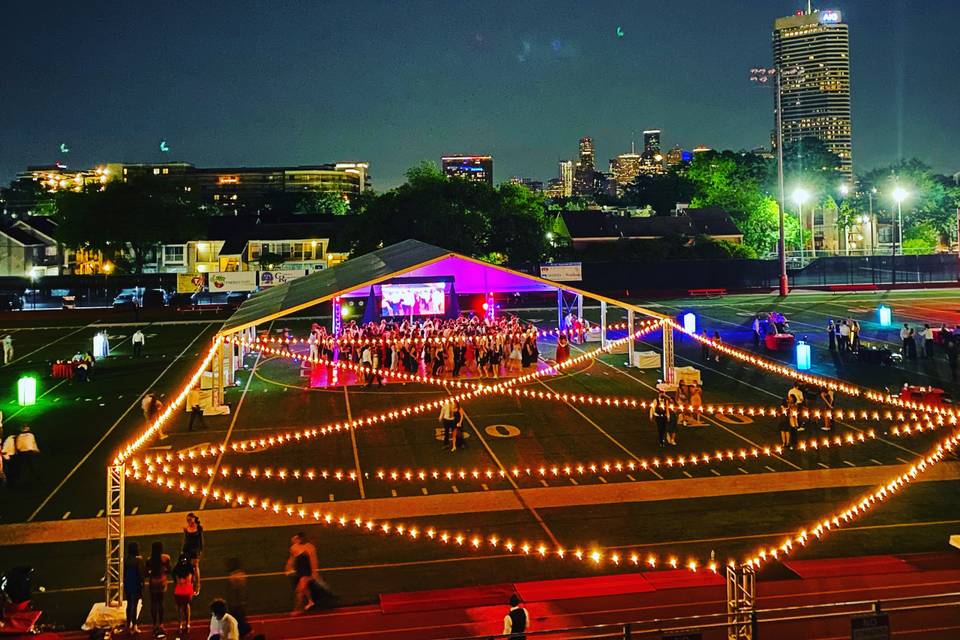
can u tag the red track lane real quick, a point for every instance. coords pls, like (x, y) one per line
(369, 622)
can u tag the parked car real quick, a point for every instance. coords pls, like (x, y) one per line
(11, 302)
(126, 301)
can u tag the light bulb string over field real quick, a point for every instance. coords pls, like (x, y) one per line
(154, 427)
(807, 378)
(816, 531)
(332, 342)
(488, 542)
(494, 542)
(301, 435)
(184, 464)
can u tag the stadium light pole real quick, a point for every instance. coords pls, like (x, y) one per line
(760, 76)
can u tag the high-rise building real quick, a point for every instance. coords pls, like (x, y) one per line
(583, 178)
(625, 168)
(811, 52)
(651, 142)
(566, 178)
(475, 168)
(676, 156)
(534, 185)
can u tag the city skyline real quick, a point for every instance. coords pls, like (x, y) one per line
(520, 84)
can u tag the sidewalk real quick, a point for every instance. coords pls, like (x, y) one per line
(480, 502)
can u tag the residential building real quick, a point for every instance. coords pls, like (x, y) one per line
(246, 243)
(811, 52)
(475, 168)
(555, 189)
(27, 247)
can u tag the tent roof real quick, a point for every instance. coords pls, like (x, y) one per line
(410, 258)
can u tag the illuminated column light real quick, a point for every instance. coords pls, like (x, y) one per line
(27, 391)
(803, 356)
(885, 315)
(689, 322)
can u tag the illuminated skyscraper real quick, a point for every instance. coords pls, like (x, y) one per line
(566, 178)
(475, 168)
(583, 178)
(811, 51)
(651, 142)
(625, 168)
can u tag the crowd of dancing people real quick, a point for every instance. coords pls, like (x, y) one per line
(467, 345)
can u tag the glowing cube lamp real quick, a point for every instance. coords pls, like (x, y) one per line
(803, 356)
(27, 391)
(689, 322)
(886, 315)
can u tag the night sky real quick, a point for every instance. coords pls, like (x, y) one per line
(393, 83)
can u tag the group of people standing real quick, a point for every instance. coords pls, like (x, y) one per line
(156, 573)
(673, 409)
(18, 455)
(844, 335)
(450, 347)
(798, 399)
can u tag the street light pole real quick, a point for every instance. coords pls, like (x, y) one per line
(900, 227)
(800, 220)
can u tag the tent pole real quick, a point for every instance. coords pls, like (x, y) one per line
(560, 325)
(631, 344)
(603, 324)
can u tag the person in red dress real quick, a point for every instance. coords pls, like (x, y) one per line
(563, 348)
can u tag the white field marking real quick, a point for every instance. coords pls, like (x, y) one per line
(353, 443)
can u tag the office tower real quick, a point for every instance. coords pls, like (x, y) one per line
(583, 178)
(566, 178)
(811, 51)
(625, 168)
(475, 168)
(651, 142)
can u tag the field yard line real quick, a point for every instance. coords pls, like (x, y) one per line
(353, 441)
(845, 424)
(233, 421)
(595, 425)
(516, 487)
(106, 434)
(67, 335)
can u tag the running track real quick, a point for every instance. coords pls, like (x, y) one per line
(932, 574)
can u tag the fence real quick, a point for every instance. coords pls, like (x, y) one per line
(675, 276)
(914, 613)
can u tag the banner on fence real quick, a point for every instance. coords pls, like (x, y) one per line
(190, 282)
(562, 271)
(272, 278)
(233, 281)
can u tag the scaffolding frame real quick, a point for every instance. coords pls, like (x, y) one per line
(741, 602)
(116, 500)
